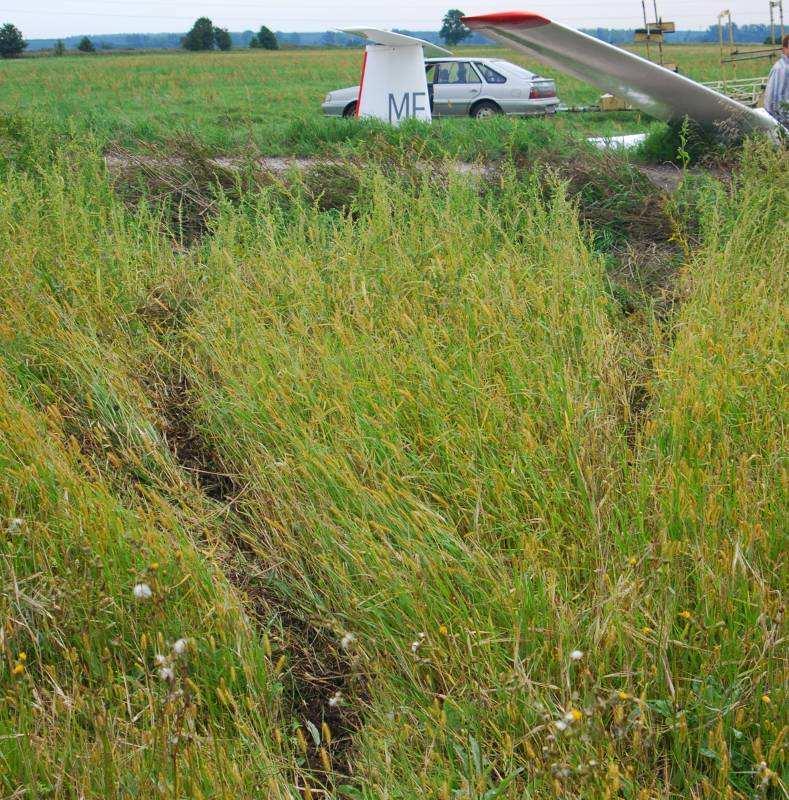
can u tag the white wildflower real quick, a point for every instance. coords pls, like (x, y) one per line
(15, 525)
(576, 655)
(347, 640)
(335, 699)
(167, 674)
(159, 660)
(561, 725)
(179, 647)
(417, 643)
(142, 591)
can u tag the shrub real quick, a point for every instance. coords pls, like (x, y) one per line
(264, 39)
(11, 42)
(453, 31)
(201, 36)
(222, 39)
(86, 46)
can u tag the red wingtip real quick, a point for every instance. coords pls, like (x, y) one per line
(523, 19)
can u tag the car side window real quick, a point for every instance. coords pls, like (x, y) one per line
(430, 72)
(490, 74)
(466, 73)
(448, 72)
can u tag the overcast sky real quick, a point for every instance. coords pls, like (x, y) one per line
(52, 18)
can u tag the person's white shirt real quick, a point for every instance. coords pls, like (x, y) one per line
(776, 94)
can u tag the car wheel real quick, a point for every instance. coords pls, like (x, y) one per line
(485, 109)
(350, 110)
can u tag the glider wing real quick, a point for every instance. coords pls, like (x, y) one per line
(647, 86)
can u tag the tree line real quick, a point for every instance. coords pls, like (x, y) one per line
(204, 35)
(13, 44)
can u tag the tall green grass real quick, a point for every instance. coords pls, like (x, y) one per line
(435, 489)
(270, 101)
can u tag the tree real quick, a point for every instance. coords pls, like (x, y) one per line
(59, 49)
(11, 42)
(222, 39)
(201, 37)
(86, 46)
(453, 31)
(265, 39)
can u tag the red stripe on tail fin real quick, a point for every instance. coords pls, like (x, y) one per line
(361, 84)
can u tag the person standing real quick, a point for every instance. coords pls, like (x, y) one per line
(776, 95)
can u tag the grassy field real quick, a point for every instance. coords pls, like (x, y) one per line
(271, 101)
(383, 481)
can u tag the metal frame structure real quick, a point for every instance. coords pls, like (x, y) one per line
(779, 4)
(734, 55)
(748, 91)
(653, 31)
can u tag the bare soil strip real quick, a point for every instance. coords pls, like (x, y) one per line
(664, 176)
(316, 670)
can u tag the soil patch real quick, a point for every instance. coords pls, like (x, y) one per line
(324, 685)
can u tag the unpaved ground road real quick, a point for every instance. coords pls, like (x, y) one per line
(665, 177)
(275, 164)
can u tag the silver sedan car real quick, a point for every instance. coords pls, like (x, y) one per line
(476, 87)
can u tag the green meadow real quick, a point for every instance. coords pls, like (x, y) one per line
(377, 479)
(270, 101)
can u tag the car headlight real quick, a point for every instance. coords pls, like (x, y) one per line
(328, 98)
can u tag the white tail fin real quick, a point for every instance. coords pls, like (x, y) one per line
(393, 85)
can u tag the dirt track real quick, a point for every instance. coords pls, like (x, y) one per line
(664, 176)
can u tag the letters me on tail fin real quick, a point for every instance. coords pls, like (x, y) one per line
(650, 87)
(393, 85)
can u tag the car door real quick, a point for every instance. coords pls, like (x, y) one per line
(456, 85)
(497, 87)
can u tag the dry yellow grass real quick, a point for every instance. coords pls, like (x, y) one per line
(379, 469)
